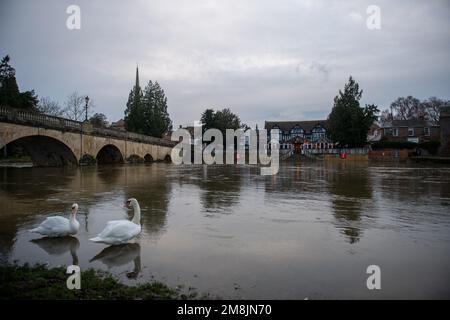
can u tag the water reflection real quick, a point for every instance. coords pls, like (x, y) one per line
(152, 188)
(306, 181)
(220, 186)
(23, 194)
(313, 219)
(59, 246)
(109, 175)
(39, 183)
(349, 189)
(119, 255)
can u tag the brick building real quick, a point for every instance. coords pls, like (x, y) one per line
(445, 131)
(411, 131)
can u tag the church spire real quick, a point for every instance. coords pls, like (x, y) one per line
(137, 76)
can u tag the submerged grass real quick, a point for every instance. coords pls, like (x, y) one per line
(40, 282)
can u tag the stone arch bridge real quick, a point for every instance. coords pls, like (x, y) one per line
(54, 141)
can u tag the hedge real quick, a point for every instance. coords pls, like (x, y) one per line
(431, 146)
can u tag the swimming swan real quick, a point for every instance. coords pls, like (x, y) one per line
(120, 231)
(59, 226)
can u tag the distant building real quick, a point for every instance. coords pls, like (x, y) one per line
(118, 125)
(444, 122)
(301, 135)
(410, 131)
(375, 133)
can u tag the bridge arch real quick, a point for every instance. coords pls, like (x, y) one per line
(134, 158)
(109, 154)
(43, 150)
(148, 158)
(59, 134)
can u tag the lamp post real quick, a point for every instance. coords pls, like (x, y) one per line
(86, 107)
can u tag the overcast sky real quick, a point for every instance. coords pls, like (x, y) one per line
(266, 60)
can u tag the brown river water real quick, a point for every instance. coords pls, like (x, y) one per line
(310, 231)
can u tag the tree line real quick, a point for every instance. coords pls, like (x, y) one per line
(349, 123)
(410, 108)
(146, 110)
(74, 106)
(9, 90)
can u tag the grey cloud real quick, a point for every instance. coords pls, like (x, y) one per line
(264, 59)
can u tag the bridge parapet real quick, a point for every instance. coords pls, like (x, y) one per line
(36, 119)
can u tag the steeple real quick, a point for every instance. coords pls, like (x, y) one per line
(137, 76)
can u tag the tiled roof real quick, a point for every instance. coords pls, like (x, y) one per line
(413, 123)
(119, 123)
(288, 125)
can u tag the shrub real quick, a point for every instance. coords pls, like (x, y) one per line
(88, 160)
(431, 146)
(384, 144)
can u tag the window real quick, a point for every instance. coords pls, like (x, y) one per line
(395, 132)
(411, 132)
(318, 133)
(426, 131)
(297, 131)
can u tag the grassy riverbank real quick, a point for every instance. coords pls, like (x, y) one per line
(40, 282)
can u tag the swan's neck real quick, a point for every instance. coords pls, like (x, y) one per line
(73, 216)
(137, 214)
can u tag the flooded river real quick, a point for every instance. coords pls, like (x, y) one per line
(309, 232)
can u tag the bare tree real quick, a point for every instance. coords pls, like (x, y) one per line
(411, 108)
(51, 107)
(433, 106)
(407, 108)
(75, 107)
(386, 116)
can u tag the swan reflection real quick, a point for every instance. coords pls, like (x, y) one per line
(59, 246)
(119, 255)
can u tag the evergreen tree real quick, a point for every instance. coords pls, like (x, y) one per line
(134, 111)
(9, 90)
(348, 123)
(146, 111)
(208, 119)
(155, 116)
(221, 120)
(28, 100)
(99, 120)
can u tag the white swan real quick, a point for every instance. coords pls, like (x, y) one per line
(120, 231)
(59, 226)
